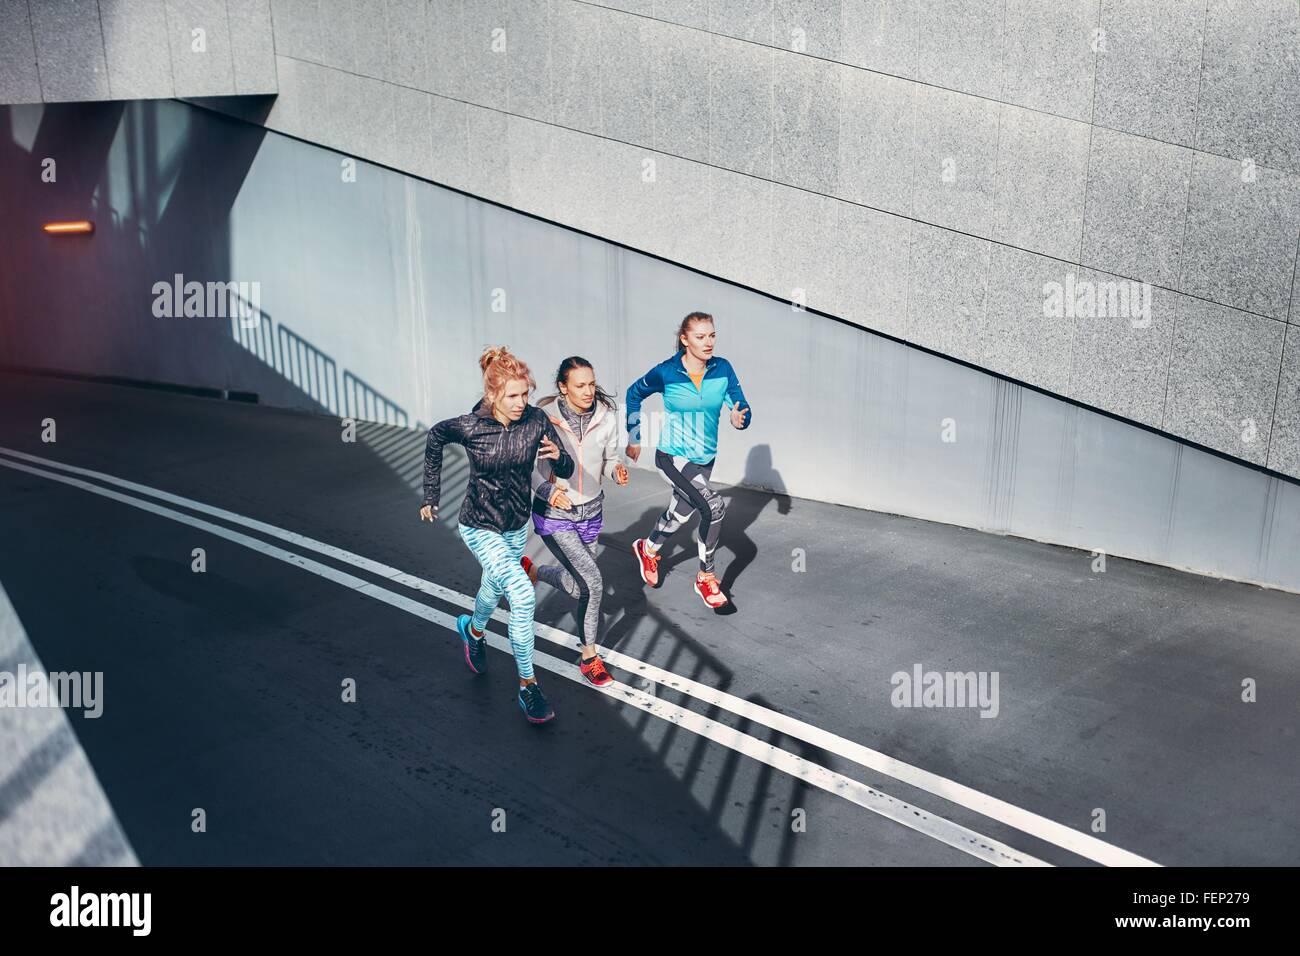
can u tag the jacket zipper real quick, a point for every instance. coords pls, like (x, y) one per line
(578, 463)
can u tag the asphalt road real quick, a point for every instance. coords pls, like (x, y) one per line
(1118, 692)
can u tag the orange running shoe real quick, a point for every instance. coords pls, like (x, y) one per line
(594, 671)
(706, 586)
(649, 563)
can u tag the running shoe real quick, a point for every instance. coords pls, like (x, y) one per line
(475, 647)
(649, 563)
(706, 586)
(534, 705)
(529, 568)
(594, 671)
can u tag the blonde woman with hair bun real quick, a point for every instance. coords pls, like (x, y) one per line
(504, 437)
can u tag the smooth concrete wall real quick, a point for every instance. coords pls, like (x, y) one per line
(378, 291)
(918, 167)
(58, 51)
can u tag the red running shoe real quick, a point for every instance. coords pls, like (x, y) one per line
(649, 563)
(529, 568)
(594, 671)
(706, 586)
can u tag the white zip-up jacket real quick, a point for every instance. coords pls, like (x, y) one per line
(594, 457)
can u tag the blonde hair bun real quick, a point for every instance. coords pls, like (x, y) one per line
(500, 366)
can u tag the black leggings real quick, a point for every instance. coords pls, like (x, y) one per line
(692, 494)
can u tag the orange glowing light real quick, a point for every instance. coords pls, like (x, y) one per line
(64, 228)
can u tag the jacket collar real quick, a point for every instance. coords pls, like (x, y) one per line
(676, 362)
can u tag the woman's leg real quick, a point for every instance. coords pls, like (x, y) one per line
(481, 544)
(680, 506)
(579, 567)
(499, 554)
(556, 576)
(692, 493)
(523, 600)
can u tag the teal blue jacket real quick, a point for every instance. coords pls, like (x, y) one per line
(691, 416)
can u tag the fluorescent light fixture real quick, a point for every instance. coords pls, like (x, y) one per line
(63, 228)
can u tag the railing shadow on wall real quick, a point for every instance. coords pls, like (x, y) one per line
(314, 373)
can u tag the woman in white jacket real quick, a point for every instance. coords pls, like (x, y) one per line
(567, 512)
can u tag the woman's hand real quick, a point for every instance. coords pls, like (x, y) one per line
(548, 449)
(738, 413)
(633, 451)
(620, 473)
(428, 513)
(560, 500)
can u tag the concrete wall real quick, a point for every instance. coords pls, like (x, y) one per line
(924, 168)
(57, 51)
(377, 292)
(917, 167)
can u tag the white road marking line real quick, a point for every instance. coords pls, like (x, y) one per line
(1026, 821)
(938, 828)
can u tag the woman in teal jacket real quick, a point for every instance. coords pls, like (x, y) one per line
(695, 384)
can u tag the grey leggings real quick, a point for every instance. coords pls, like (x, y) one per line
(578, 576)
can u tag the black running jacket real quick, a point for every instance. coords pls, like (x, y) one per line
(501, 459)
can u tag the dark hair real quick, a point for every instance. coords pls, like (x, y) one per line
(577, 361)
(685, 326)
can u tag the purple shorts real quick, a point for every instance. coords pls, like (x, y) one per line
(587, 530)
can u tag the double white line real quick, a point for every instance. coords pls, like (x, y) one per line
(936, 827)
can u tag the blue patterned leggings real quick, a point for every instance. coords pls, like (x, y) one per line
(503, 574)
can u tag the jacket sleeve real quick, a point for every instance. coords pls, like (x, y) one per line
(613, 450)
(542, 485)
(647, 385)
(735, 396)
(562, 466)
(440, 434)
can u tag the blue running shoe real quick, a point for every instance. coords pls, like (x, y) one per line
(475, 647)
(534, 705)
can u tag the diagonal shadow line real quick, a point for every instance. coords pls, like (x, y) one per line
(104, 847)
(58, 745)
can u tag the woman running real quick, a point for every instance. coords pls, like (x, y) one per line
(567, 514)
(503, 436)
(695, 385)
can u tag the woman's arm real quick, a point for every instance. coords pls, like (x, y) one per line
(613, 446)
(736, 396)
(647, 385)
(562, 466)
(543, 486)
(440, 434)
